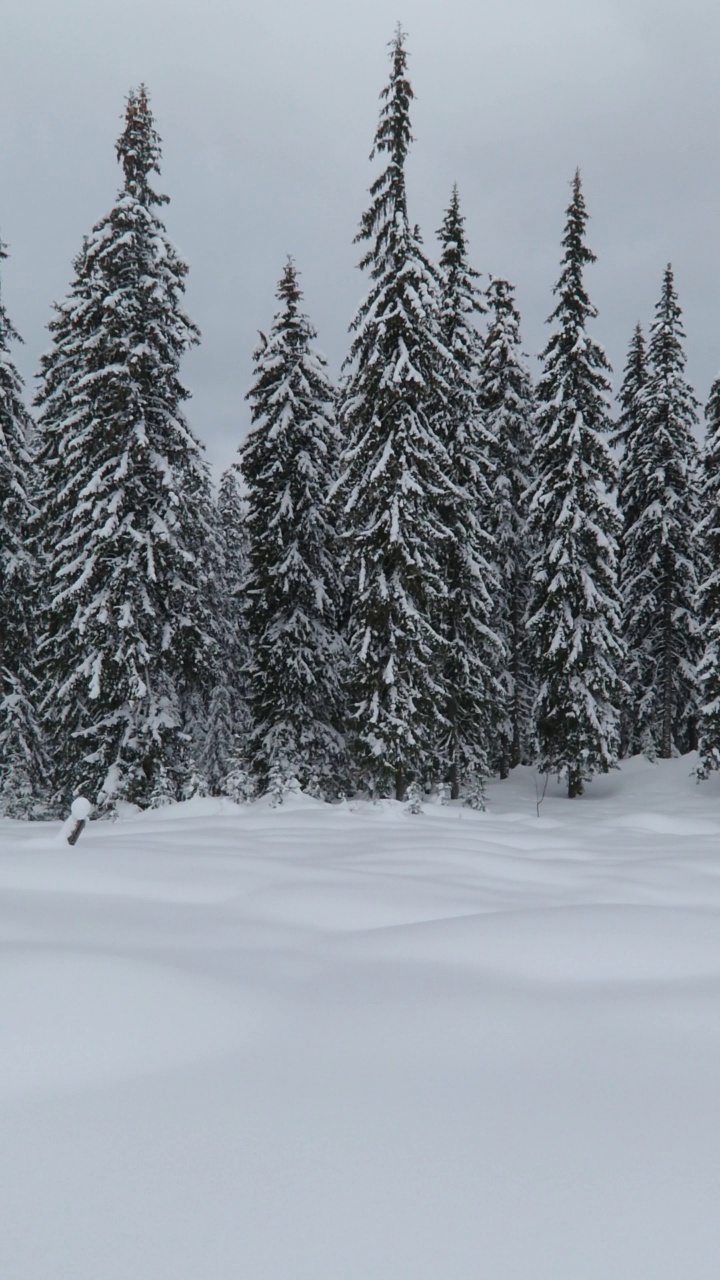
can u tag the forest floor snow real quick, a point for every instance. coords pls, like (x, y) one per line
(348, 1043)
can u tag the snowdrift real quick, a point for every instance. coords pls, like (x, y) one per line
(344, 1043)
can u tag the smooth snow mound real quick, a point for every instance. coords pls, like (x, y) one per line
(68, 1020)
(625, 944)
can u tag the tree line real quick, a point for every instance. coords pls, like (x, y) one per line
(425, 575)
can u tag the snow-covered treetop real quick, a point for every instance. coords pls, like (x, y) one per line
(138, 148)
(572, 295)
(666, 353)
(460, 297)
(8, 333)
(285, 360)
(575, 376)
(387, 217)
(634, 377)
(503, 342)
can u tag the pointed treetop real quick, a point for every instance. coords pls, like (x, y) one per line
(453, 238)
(138, 148)
(397, 90)
(504, 322)
(8, 332)
(386, 220)
(665, 349)
(460, 298)
(393, 132)
(668, 307)
(573, 298)
(577, 220)
(635, 369)
(288, 290)
(500, 293)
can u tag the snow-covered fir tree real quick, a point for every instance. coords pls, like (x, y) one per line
(124, 497)
(630, 438)
(396, 482)
(662, 557)
(508, 401)
(234, 544)
(475, 711)
(709, 601)
(23, 764)
(297, 655)
(574, 618)
(226, 743)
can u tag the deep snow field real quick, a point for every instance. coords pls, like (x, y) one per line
(349, 1043)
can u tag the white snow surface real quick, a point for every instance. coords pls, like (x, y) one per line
(347, 1043)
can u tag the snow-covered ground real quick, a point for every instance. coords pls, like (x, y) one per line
(347, 1043)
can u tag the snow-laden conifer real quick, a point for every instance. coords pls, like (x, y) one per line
(630, 437)
(216, 722)
(290, 595)
(220, 741)
(574, 612)
(234, 566)
(661, 547)
(475, 711)
(709, 602)
(508, 401)
(396, 482)
(226, 732)
(124, 495)
(23, 763)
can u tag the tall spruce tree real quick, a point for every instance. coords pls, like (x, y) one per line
(475, 709)
(574, 614)
(23, 763)
(709, 601)
(396, 484)
(661, 549)
(124, 496)
(508, 401)
(630, 438)
(291, 593)
(225, 732)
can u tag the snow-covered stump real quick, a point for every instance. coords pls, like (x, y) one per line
(72, 828)
(414, 798)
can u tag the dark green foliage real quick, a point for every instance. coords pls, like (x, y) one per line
(297, 657)
(709, 533)
(508, 402)
(661, 550)
(23, 763)
(475, 711)
(574, 614)
(396, 485)
(630, 436)
(124, 498)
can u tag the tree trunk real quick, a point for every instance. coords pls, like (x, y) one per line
(575, 784)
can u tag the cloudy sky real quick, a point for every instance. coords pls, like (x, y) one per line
(267, 113)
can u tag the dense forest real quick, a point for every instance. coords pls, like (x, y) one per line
(432, 572)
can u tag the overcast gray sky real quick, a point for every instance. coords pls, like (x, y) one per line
(267, 113)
